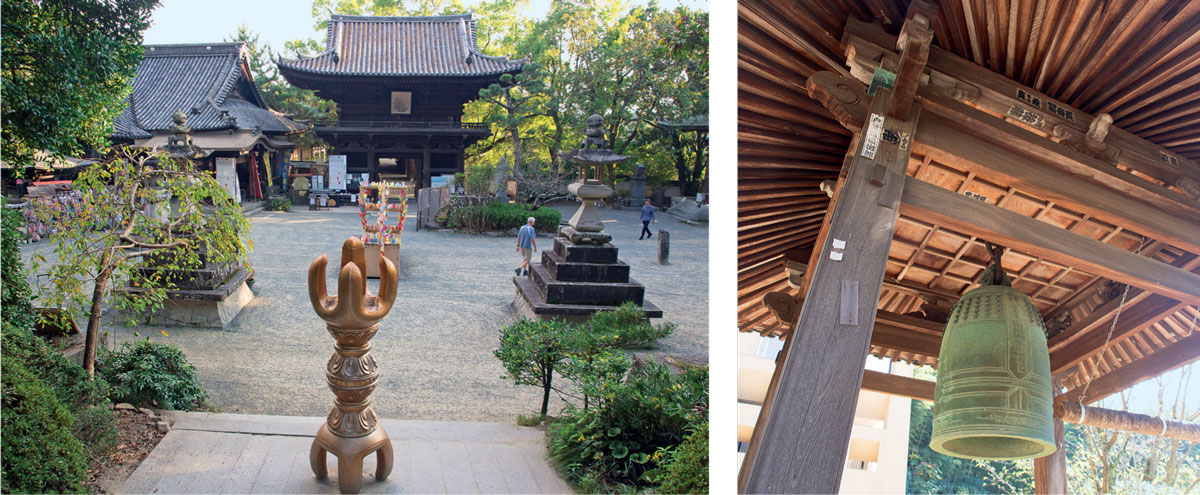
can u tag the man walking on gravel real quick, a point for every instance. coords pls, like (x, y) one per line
(526, 245)
(646, 218)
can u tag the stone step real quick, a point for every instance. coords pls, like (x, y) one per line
(535, 302)
(584, 253)
(574, 271)
(564, 292)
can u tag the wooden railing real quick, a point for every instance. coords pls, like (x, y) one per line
(404, 125)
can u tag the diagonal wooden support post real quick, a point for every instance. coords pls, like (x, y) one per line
(803, 432)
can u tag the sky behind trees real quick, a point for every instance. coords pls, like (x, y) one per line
(276, 21)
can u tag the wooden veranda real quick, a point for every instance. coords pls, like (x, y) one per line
(1067, 132)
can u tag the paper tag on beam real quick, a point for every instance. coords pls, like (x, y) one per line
(874, 132)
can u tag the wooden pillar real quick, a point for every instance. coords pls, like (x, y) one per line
(1050, 472)
(425, 173)
(372, 164)
(803, 431)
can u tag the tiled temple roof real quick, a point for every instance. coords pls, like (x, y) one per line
(202, 80)
(434, 46)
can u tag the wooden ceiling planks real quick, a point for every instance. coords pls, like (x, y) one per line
(1134, 59)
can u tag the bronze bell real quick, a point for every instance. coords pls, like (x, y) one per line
(993, 398)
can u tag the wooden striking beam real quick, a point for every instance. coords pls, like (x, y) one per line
(902, 386)
(927, 202)
(803, 430)
(1173, 356)
(1142, 424)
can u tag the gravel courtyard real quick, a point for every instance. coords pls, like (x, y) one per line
(435, 348)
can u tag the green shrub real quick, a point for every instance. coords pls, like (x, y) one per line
(96, 428)
(14, 288)
(39, 453)
(144, 371)
(69, 382)
(625, 326)
(684, 469)
(470, 218)
(277, 204)
(504, 216)
(613, 443)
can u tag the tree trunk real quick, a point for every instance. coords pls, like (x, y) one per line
(546, 388)
(93, 328)
(518, 151)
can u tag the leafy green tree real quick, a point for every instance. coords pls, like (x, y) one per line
(66, 71)
(587, 353)
(531, 350)
(132, 208)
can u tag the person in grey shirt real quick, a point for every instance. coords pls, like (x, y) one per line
(526, 245)
(646, 218)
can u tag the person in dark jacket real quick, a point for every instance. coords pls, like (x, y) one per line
(646, 218)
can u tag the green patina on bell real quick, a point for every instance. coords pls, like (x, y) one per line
(993, 398)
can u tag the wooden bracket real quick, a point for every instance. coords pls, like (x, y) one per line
(845, 98)
(913, 44)
(782, 306)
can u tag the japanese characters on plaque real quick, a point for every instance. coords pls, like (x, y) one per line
(1027, 116)
(1036, 102)
(1060, 111)
(1029, 98)
(974, 195)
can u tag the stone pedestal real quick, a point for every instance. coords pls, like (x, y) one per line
(201, 307)
(392, 251)
(575, 280)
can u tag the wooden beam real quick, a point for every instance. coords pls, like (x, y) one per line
(1050, 472)
(993, 91)
(907, 333)
(927, 202)
(944, 142)
(803, 430)
(1173, 356)
(1134, 318)
(902, 386)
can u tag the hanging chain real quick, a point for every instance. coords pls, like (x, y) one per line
(1113, 327)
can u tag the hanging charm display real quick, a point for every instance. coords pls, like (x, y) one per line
(352, 431)
(993, 398)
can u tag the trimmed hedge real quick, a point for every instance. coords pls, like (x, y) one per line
(505, 216)
(40, 455)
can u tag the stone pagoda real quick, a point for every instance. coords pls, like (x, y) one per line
(582, 274)
(210, 295)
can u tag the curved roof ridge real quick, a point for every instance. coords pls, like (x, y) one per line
(402, 18)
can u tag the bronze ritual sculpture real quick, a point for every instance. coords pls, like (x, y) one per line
(352, 431)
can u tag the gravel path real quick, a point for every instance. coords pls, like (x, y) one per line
(435, 348)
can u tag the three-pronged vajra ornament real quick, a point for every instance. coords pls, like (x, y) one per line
(352, 431)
